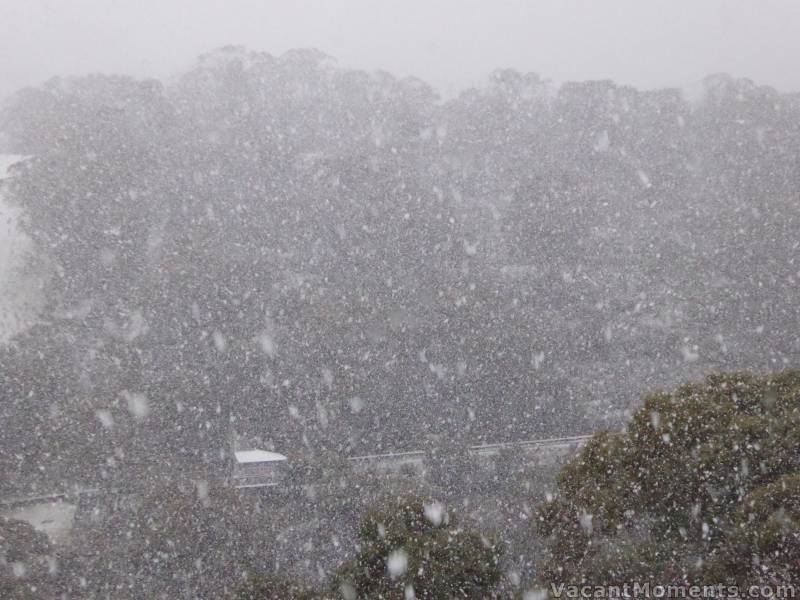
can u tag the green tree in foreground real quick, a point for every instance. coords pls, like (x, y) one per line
(409, 548)
(264, 587)
(704, 485)
(27, 564)
(411, 544)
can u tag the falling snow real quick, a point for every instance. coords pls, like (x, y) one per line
(276, 327)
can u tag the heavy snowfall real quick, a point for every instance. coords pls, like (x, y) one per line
(272, 327)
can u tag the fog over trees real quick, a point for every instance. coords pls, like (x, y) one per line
(275, 252)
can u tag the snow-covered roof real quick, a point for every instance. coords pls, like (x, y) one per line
(257, 456)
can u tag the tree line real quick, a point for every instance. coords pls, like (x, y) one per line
(332, 262)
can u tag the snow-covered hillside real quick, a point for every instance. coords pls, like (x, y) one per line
(18, 294)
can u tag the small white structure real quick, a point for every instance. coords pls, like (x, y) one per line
(258, 468)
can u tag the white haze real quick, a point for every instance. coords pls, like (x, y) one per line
(450, 43)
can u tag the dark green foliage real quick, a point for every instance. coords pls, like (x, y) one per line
(766, 542)
(438, 557)
(264, 587)
(28, 569)
(704, 479)
(20, 541)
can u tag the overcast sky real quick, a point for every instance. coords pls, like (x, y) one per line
(450, 43)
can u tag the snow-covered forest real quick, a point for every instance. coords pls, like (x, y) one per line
(275, 252)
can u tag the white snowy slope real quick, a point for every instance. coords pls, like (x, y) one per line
(19, 295)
